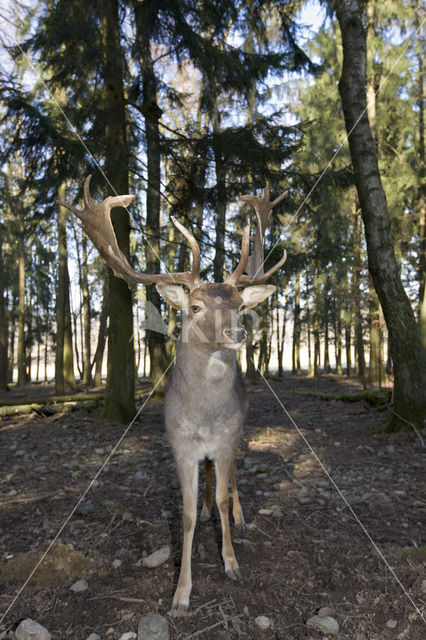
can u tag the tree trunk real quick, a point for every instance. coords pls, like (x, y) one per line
(408, 352)
(120, 389)
(100, 347)
(357, 296)
(87, 369)
(145, 16)
(77, 353)
(327, 368)
(309, 328)
(64, 361)
(338, 338)
(3, 324)
(21, 360)
(316, 324)
(296, 366)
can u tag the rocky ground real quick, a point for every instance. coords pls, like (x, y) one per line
(335, 511)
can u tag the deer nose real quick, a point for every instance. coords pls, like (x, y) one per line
(235, 335)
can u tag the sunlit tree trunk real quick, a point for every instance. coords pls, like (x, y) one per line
(120, 389)
(408, 352)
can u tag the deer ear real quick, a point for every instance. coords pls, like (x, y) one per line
(173, 294)
(258, 293)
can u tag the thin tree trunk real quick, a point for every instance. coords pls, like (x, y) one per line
(87, 369)
(100, 347)
(76, 349)
(21, 360)
(316, 327)
(326, 329)
(3, 324)
(120, 389)
(38, 361)
(357, 296)
(296, 366)
(219, 256)
(338, 339)
(11, 360)
(408, 352)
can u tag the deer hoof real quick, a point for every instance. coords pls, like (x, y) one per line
(234, 574)
(178, 610)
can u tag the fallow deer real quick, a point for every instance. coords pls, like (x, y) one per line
(205, 401)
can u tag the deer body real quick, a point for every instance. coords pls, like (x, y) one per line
(205, 402)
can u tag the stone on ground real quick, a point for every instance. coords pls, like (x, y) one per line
(158, 557)
(327, 624)
(263, 622)
(79, 586)
(31, 630)
(153, 627)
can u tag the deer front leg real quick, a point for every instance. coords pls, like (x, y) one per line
(208, 502)
(188, 476)
(237, 511)
(223, 467)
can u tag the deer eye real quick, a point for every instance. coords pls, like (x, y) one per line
(243, 308)
(195, 308)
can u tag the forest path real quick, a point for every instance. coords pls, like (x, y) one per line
(303, 548)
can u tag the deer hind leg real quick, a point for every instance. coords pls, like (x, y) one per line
(237, 511)
(208, 501)
(188, 475)
(223, 469)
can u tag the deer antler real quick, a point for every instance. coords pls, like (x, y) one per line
(96, 222)
(245, 247)
(255, 262)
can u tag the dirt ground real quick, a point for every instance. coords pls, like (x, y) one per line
(303, 547)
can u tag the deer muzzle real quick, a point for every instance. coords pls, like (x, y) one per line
(236, 336)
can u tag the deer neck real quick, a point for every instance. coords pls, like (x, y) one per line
(205, 365)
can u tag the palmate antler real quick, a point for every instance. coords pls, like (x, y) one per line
(255, 262)
(96, 222)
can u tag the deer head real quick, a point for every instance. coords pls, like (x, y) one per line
(214, 311)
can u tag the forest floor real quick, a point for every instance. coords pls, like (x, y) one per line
(303, 548)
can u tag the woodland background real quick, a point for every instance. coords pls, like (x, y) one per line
(191, 104)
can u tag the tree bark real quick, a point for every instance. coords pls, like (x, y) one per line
(408, 352)
(120, 389)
